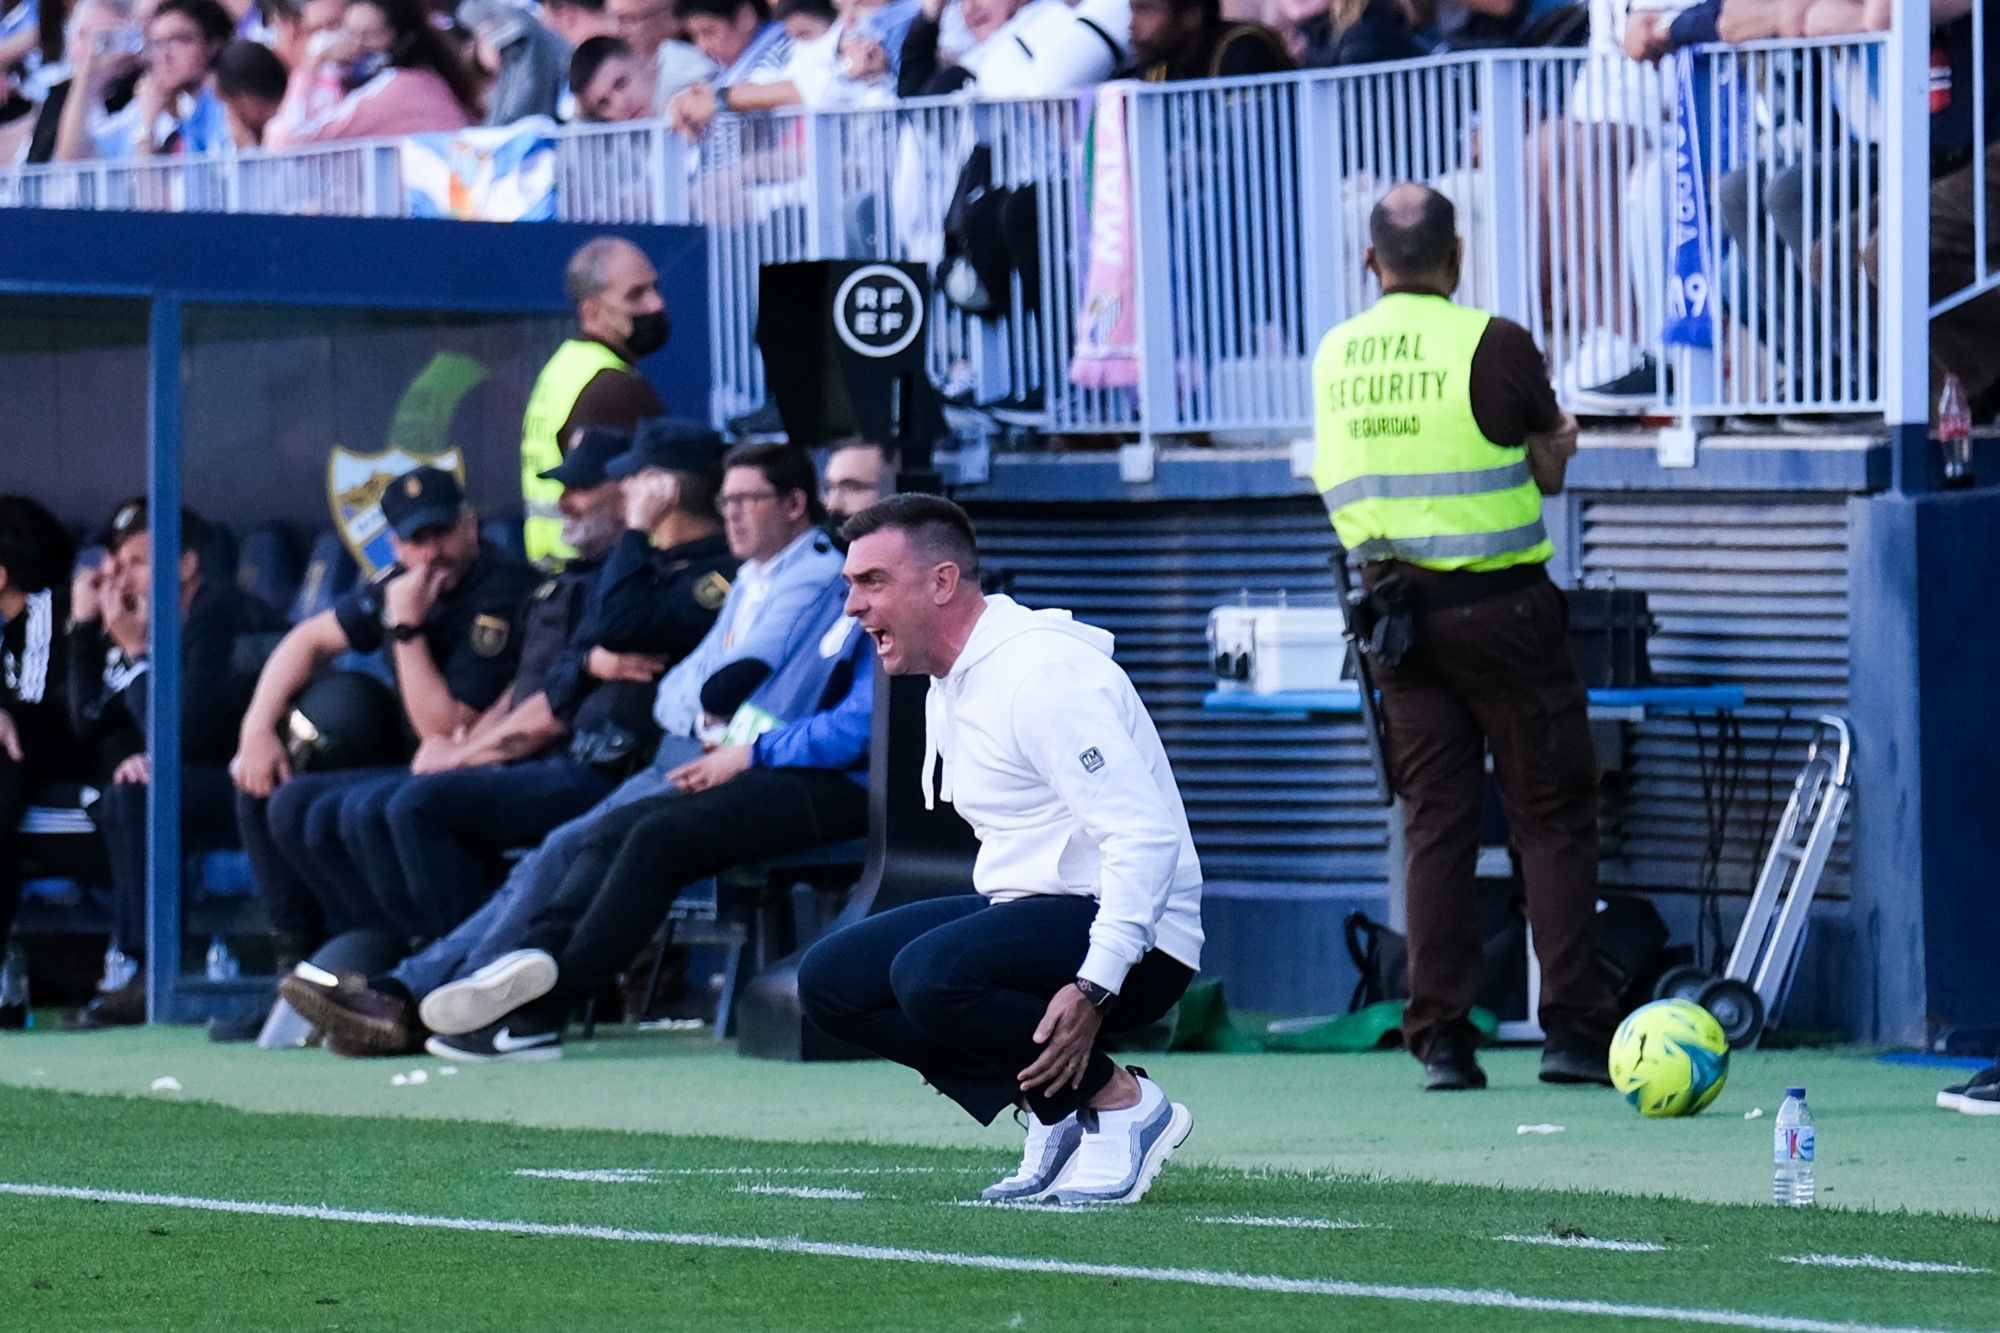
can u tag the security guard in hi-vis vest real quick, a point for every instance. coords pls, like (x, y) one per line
(621, 318)
(1439, 434)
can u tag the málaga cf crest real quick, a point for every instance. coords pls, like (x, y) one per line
(354, 486)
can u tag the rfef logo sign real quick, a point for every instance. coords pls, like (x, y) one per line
(878, 311)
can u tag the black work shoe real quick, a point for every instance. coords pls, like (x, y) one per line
(1450, 1066)
(515, 1037)
(1953, 1098)
(121, 1008)
(1568, 1058)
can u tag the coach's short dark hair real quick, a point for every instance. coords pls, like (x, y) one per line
(935, 526)
(1418, 233)
(788, 467)
(35, 548)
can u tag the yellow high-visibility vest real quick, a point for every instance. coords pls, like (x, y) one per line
(1402, 464)
(575, 364)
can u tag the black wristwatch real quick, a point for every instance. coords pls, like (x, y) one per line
(1100, 999)
(404, 633)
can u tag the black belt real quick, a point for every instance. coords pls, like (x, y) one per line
(1440, 590)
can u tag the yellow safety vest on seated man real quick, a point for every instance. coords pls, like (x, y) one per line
(1403, 467)
(575, 364)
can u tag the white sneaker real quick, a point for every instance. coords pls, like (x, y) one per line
(1124, 1150)
(490, 994)
(1050, 1149)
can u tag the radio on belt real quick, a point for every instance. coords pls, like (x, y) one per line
(1279, 647)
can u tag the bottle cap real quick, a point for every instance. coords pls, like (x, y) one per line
(1799, 1093)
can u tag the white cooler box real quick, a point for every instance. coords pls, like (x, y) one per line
(1273, 649)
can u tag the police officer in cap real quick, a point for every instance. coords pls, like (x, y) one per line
(1439, 434)
(444, 617)
(552, 746)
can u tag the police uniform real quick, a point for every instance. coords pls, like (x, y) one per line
(309, 879)
(433, 842)
(108, 694)
(1423, 412)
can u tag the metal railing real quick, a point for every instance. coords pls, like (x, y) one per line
(1249, 204)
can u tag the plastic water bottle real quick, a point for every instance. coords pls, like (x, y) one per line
(1792, 1152)
(1955, 434)
(14, 1010)
(119, 969)
(222, 964)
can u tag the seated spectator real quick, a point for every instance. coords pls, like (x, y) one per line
(599, 886)
(1484, 25)
(575, 721)
(445, 616)
(302, 33)
(870, 49)
(109, 685)
(250, 81)
(1319, 35)
(656, 33)
(928, 68)
(806, 21)
(857, 475)
(610, 83)
(526, 62)
(35, 741)
(397, 75)
(172, 108)
(748, 49)
(775, 611)
(1174, 40)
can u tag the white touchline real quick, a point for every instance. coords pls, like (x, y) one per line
(1876, 1261)
(1588, 1243)
(635, 1174)
(801, 1191)
(617, 1175)
(993, 1263)
(1305, 1223)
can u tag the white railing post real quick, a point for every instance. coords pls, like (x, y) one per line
(1505, 174)
(1152, 282)
(1324, 246)
(824, 159)
(1903, 252)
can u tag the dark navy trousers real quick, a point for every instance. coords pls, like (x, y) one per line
(955, 987)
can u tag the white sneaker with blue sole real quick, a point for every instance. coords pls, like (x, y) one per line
(1049, 1152)
(1123, 1151)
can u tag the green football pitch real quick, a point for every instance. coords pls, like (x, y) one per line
(650, 1181)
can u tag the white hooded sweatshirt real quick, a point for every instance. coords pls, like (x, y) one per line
(1051, 757)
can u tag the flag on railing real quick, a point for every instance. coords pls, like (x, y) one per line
(1107, 330)
(1691, 283)
(503, 174)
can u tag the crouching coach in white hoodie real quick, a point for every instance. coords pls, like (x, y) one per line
(1086, 920)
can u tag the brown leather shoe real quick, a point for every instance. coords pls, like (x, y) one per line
(355, 1018)
(122, 1008)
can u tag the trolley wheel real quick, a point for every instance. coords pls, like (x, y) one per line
(1682, 983)
(1737, 1007)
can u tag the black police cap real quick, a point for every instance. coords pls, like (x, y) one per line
(591, 449)
(423, 497)
(671, 442)
(134, 517)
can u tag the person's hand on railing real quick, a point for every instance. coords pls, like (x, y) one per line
(1646, 36)
(691, 110)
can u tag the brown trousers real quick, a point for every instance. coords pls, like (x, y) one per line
(1496, 674)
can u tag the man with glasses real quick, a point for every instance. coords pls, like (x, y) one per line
(775, 611)
(656, 35)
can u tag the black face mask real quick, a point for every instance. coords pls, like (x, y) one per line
(649, 334)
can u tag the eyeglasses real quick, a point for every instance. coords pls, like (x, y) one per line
(160, 44)
(743, 500)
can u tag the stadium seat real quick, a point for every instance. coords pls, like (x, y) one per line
(329, 572)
